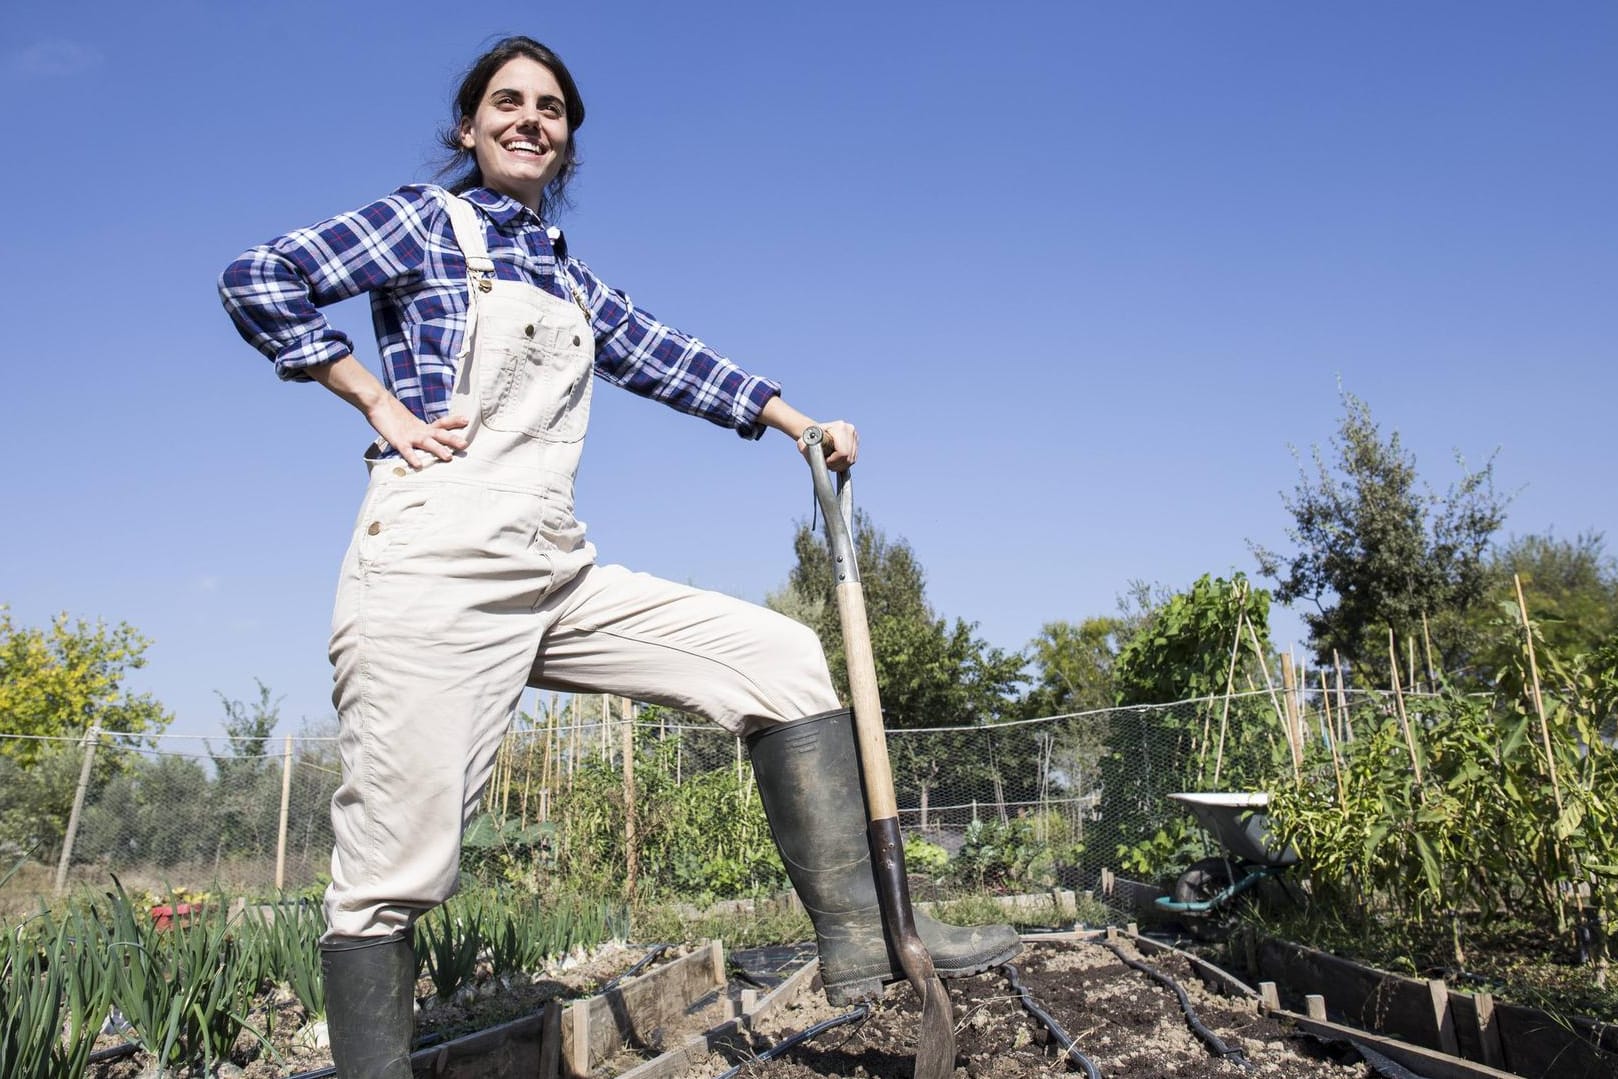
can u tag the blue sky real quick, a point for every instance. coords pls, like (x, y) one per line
(1081, 273)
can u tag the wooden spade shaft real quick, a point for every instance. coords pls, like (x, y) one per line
(935, 1055)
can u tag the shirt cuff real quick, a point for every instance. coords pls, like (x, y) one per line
(292, 364)
(750, 402)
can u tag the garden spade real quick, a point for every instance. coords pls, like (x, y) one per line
(935, 1054)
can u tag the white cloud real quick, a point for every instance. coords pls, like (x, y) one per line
(53, 59)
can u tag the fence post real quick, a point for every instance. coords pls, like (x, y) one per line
(281, 828)
(633, 858)
(91, 738)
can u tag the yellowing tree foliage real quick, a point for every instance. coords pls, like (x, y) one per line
(56, 681)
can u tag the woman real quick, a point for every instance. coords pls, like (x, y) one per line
(468, 576)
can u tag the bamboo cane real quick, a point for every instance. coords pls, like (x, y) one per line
(527, 775)
(572, 741)
(281, 820)
(1399, 702)
(1230, 683)
(1427, 645)
(632, 857)
(1550, 759)
(1264, 666)
(1336, 762)
(546, 747)
(1538, 701)
(1342, 697)
(1294, 728)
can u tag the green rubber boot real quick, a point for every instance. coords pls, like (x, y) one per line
(809, 780)
(370, 1006)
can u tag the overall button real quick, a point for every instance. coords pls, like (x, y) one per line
(575, 340)
(528, 330)
(376, 526)
(398, 471)
(484, 284)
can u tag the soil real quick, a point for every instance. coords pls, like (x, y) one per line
(1128, 1025)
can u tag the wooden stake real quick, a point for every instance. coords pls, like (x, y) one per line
(1336, 762)
(572, 742)
(1342, 697)
(1399, 702)
(633, 853)
(1427, 646)
(545, 763)
(1550, 758)
(1443, 1017)
(1538, 701)
(1230, 682)
(550, 1040)
(527, 774)
(281, 826)
(1294, 727)
(1489, 1031)
(1264, 665)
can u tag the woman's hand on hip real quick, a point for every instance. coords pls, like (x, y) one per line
(399, 427)
(412, 438)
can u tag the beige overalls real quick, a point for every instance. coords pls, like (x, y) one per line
(471, 578)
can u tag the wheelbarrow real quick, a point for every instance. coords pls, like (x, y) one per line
(1236, 819)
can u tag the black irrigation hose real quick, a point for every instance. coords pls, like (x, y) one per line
(1062, 1036)
(113, 1052)
(1388, 1069)
(1209, 1038)
(859, 1011)
(657, 950)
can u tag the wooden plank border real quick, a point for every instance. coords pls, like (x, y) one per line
(598, 1027)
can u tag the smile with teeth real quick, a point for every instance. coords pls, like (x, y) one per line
(524, 146)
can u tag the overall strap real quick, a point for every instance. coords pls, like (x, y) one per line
(468, 226)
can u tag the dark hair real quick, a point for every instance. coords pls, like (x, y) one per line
(463, 163)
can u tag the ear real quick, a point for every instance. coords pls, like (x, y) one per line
(467, 141)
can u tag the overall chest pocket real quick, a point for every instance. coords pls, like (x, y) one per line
(536, 377)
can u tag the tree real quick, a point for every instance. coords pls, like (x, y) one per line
(1375, 551)
(1073, 665)
(1570, 586)
(56, 682)
(247, 788)
(931, 673)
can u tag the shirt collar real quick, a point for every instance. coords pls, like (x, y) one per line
(503, 210)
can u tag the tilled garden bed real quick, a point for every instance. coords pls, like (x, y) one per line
(1108, 1005)
(1127, 1025)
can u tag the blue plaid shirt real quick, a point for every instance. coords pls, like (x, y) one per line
(402, 250)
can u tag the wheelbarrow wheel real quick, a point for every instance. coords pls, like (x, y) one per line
(1203, 881)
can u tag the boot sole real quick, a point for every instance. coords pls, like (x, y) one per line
(860, 990)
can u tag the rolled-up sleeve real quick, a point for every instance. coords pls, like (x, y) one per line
(274, 292)
(636, 351)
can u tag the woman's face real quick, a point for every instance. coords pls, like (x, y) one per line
(519, 132)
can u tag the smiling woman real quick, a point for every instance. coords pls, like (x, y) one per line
(468, 576)
(550, 92)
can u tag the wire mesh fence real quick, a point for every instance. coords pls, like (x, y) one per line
(1022, 805)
